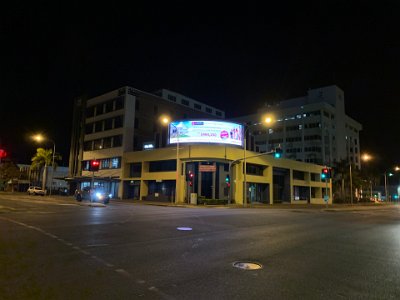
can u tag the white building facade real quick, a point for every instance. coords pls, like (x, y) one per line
(313, 128)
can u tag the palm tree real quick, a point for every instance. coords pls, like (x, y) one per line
(342, 177)
(42, 159)
(341, 170)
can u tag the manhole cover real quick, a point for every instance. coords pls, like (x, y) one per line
(184, 228)
(245, 265)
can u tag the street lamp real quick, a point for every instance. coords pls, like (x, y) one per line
(166, 121)
(267, 120)
(397, 169)
(366, 157)
(40, 138)
(386, 190)
(351, 185)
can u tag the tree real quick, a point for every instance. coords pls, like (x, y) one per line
(341, 170)
(42, 159)
(8, 171)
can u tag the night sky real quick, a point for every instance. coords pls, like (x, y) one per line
(233, 57)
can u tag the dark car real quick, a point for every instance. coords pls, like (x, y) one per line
(93, 195)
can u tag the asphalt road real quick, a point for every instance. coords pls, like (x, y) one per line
(58, 249)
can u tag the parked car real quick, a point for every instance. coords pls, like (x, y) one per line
(36, 190)
(94, 195)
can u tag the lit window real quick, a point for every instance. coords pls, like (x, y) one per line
(115, 163)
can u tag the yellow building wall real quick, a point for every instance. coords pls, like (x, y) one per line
(190, 153)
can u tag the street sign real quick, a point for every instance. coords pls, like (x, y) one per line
(326, 198)
(207, 168)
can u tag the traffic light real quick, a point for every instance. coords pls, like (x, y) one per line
(326, 173)
(191, 178)
(228, 180)
(278, 152)
(94, 165)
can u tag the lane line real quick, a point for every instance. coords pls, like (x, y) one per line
(120, 271)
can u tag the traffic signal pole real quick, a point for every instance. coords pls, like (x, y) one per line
(235, 162)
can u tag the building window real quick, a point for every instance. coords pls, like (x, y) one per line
(185, 102)
(107, 142)
(171, 98)
(90, 112)
(99, 109)
(218, 113)
(254, 169)
(85, 165)
(98, 126)
(109, 106)
(135, 170)
(89, 128)
(97, 144)
(315, 176)
(209, 110)
(119, 103)
(118, 121)
(162, 166)
(88, 146)
(117, 141)
(197, 106)
(298, 175)
(115, 162)
(137, 104)
(108, 124)
(105, 163)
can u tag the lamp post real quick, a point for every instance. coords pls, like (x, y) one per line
(366, 157)
(165, 120)
(351, 186)
(39, 138)
(267, 120)
(397, 169)
(387, 196)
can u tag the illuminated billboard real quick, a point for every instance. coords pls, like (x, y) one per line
(206, 132)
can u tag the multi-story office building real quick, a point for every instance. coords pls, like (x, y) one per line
(122, 130)
(313, 128)
(124, 120)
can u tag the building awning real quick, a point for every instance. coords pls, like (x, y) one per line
(89, 178)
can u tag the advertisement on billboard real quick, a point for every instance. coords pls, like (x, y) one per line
(218, 132)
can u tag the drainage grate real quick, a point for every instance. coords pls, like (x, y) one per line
(246, 265)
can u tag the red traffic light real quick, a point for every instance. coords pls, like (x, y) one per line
(326, 173)
(3, 153)
(94, 165)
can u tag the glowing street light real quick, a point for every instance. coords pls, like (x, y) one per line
(166, 121)
(367, 157)
(40, 138)
(386, 174)
(267, 120)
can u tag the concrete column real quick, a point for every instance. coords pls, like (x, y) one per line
(213, 181)
(291, 192)
(144, 189)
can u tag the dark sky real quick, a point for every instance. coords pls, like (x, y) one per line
(234, 57)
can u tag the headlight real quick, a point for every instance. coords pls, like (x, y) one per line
(99, 196)
(110, 195)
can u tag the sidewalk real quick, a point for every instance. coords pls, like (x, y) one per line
(332, 207)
